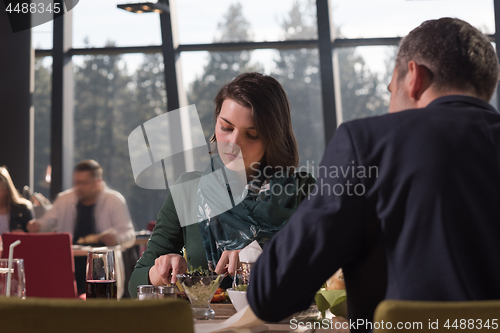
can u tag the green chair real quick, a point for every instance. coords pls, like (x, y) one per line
(433, 316)
(43, 315)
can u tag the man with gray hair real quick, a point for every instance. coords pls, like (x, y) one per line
(427, 227)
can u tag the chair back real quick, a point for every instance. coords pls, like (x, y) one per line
(433, 316)
(48, 263)
(151, 225)
(76, 316)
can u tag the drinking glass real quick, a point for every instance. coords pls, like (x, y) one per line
(17, 282)
(101, 281)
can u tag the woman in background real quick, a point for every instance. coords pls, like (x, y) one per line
(15, 211)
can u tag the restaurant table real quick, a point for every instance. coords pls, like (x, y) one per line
(142, 237)
(141, 241)
(225, 310)
(81, 251)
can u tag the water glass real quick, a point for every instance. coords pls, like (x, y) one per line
(17, 282)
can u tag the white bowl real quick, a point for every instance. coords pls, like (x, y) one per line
(238, 298)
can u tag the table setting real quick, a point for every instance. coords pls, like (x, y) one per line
(242, 319)
(199, 287)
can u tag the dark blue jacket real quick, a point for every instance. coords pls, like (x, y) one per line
(425, 227)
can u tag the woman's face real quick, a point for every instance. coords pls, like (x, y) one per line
(235, 131)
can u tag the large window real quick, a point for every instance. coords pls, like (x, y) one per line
(396, 18)
(42, 105)
(202, 21)
(98, 23)
(363, 75)
(297, 70)
(41, 36)
(113, 96)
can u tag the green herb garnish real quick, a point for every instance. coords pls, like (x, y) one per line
(241, 287)
(200, 272)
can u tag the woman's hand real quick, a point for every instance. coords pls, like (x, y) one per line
(37, 199)
(33, 226)
(229, 262)
(166, 268)
(109, 239)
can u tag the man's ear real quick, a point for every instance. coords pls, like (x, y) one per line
(417, 80)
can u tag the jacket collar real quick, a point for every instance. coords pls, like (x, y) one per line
(105, 188)
(464, 99)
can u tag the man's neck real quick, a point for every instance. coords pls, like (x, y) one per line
(431, 95)
(88, 202)
(91, 200)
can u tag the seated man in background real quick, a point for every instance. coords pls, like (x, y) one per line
(91, 212)
(423, 224)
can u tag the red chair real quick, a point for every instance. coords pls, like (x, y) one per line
(151, 225)
(48, 263)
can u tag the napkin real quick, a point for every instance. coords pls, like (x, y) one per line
(251, 252)
(244, 321)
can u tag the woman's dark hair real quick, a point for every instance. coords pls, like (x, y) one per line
(265, 96)
(458, 55)
(14, 196)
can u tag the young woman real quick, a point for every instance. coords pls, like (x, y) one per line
(252, 126)
(15, 211)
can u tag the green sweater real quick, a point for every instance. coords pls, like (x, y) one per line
(169, 237)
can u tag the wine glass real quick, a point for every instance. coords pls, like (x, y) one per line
(101, 281)
(17, 282)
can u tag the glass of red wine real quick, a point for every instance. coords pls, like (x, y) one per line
(101, 281)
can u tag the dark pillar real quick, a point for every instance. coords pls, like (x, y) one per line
(326, 68)
(16, 67)
(172, 78)
(62, 106)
